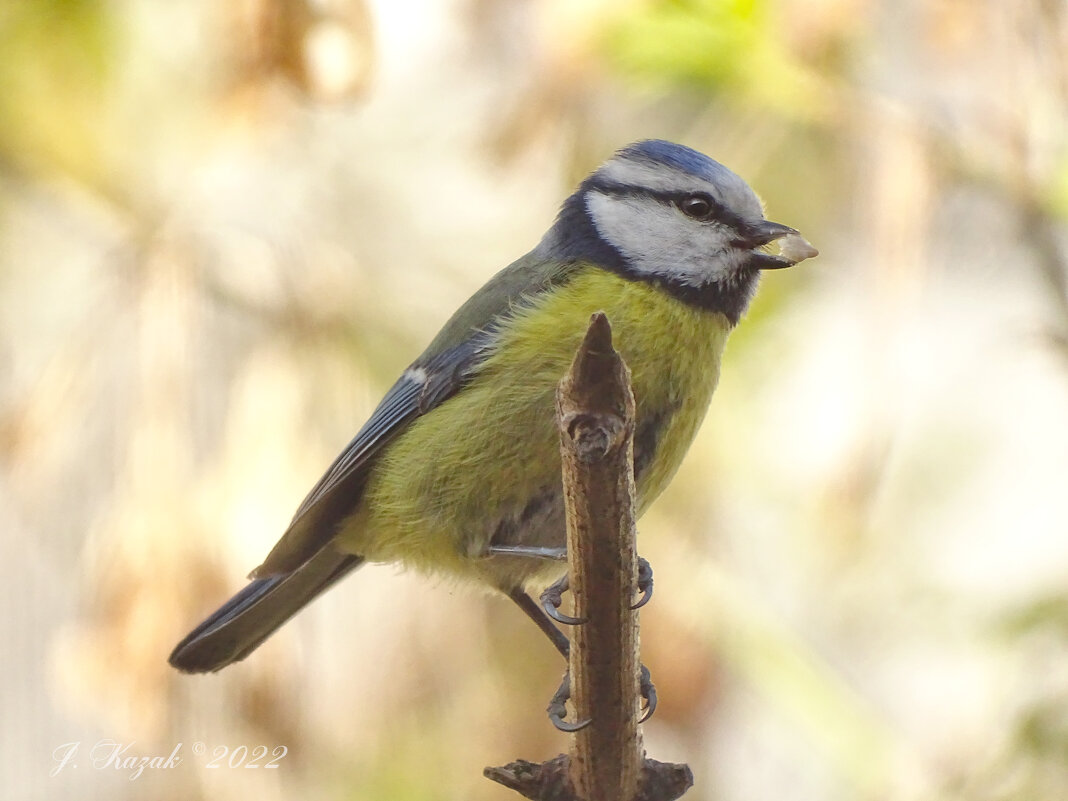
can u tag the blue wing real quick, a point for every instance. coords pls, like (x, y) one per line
(444, 368)
(422, 387)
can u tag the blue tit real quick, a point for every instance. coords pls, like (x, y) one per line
(457, 472)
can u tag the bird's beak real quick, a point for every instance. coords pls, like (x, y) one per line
(793, 247)
(760, 233)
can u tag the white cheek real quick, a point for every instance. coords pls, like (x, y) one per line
(657, 240)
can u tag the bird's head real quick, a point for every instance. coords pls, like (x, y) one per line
(664, 213)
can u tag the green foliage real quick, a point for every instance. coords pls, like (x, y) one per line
(734, 47)
(55, 61)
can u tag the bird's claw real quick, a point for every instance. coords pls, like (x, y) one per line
(648, 691)
(550, 603)
(557, 708)
(551, 600)
(645, 583)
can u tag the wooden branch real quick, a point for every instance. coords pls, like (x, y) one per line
(595, 416)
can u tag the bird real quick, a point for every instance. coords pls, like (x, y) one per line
(457, 471)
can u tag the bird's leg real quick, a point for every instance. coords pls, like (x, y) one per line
(558, 705)
(534, 611)
(535, 551)
(543, 616)
(553, 597)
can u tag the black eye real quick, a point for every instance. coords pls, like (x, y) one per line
(699, 207)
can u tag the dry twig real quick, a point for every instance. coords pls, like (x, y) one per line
(595, 415)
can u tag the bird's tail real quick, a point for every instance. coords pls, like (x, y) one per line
(240, 625)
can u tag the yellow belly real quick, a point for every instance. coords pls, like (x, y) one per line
(437, 493)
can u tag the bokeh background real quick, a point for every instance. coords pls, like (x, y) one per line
(227, 225)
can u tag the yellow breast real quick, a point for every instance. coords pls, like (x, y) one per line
(437, 493)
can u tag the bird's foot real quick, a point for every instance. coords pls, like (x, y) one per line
(648, 691)
(553, 597)
(557, 708)
(645, 583)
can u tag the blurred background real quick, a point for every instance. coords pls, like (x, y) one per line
(227, 225)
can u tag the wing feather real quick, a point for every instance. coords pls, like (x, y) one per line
(450, 361)
(337, 493)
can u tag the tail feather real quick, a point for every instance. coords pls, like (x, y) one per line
(240, 625)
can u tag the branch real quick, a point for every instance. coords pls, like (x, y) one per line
(595, 417)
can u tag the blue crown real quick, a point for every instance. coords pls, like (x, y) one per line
(679, 157)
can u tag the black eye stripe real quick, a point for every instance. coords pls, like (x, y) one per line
(718, 212)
